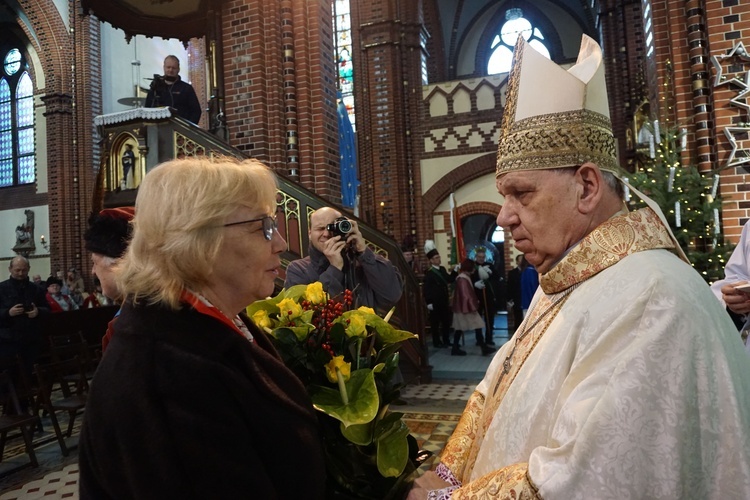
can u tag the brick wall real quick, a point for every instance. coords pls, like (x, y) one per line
(280, 88)
(677, 80)
(54, 45)
(388, 83)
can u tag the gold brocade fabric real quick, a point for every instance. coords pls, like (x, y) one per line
(509, 483)
(457, 449)
(557, 140)
(552, 140)
(615, 239)
(606, 245)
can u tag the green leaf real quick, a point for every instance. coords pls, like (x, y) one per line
(294, 292)
(360, 434)
(268, 305)
(363, 399)
(285, 336)
(393, 446)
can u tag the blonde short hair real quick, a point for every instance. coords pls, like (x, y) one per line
(177, 231)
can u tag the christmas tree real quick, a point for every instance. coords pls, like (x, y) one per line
(688, 198)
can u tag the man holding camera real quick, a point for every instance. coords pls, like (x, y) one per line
(21, 303)
(339, 258)
(170, 90)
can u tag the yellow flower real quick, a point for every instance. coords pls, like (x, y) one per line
(356, 326)
(344, 367)
(366, 309)
(289, 310)
(314, 293)
(261, 319)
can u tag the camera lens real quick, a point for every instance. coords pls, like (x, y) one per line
(339, 227)
(344, 226)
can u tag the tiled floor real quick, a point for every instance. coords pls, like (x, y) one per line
(59, 484)
(431, 411)
(474, 364)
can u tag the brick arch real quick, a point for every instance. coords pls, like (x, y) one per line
(488, 207)
(63, 53)
(456, 178)
(477, 208)
(51, 40)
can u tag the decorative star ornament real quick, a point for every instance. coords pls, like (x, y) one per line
(738, 52)
(741, 99)
(739, 156)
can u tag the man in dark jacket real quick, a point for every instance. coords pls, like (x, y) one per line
(436, 292)
(170, 90)
(21, 303)
(341, 260)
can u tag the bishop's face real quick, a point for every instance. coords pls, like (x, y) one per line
(540, 210)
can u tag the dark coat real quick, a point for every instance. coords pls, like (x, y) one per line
(378, 284)
(20, 328)
(436, 288)
(180, 96)
(182, 406)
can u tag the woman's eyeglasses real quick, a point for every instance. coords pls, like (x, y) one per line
(269, 225)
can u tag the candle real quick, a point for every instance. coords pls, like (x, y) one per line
(670, 182)
(627, 190)
(717, 222)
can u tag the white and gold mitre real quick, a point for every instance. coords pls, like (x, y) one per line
(556, 118)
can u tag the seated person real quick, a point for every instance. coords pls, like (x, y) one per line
(75, 286)
(58, 301)
(97, 297)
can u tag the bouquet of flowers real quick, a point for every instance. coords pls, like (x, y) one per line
(347, 360)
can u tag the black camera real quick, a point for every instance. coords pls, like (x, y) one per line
(157, 81)
(28, 307)
(340, 227)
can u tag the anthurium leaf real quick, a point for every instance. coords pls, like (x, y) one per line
(360, 434)
(300, 332)
(391, 335)
(338, 334)
(363, 399)
(294, 292)
(271, 305)
(393, 446)
(285, 336)
(307, 316)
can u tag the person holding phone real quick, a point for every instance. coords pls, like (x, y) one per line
(734, 290)
(21, 304)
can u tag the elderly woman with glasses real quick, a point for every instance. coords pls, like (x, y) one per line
(192, 400)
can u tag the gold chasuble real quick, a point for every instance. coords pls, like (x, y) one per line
(622, 235)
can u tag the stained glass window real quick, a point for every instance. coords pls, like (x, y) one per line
(6, 136)
(12, 62)
(17, 148)
(502, 45)
(342, 41)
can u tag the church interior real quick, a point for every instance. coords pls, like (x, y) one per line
(389, 110)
